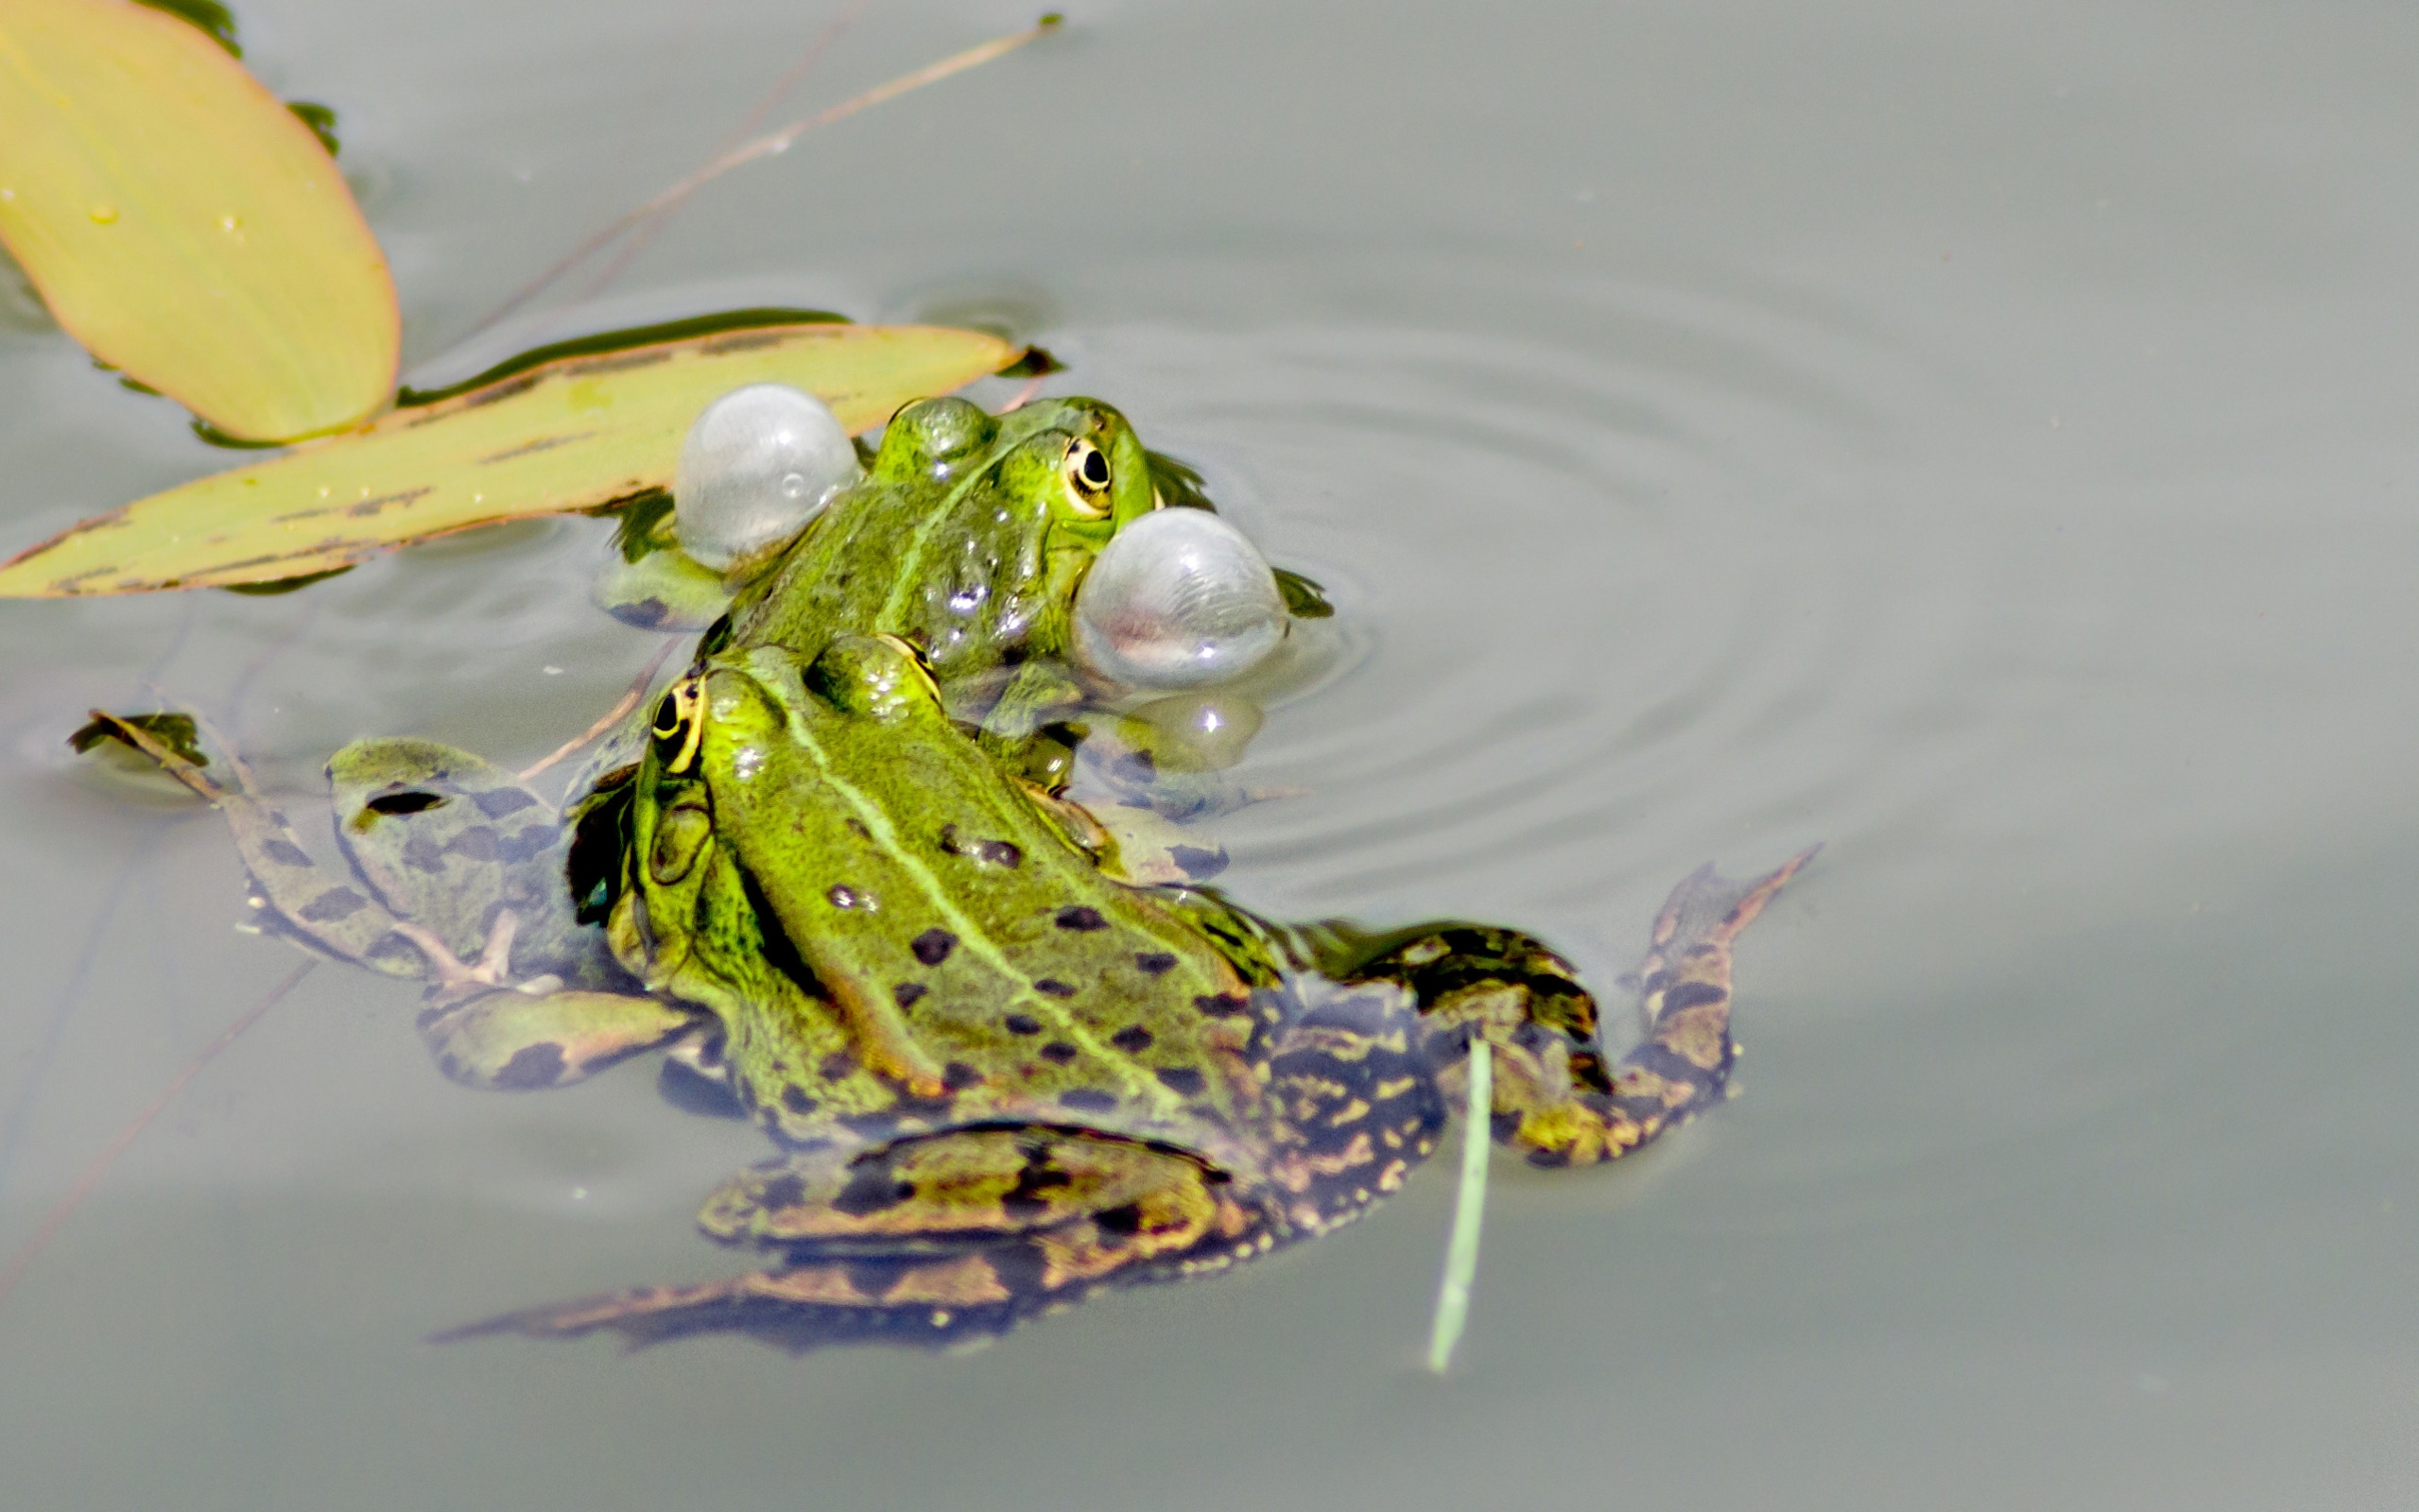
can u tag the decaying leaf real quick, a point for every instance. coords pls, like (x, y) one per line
(183, 225)
(580, 432)
(175, 731)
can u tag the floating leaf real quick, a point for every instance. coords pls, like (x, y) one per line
(621, 341)
(183, 225)
(580, 432)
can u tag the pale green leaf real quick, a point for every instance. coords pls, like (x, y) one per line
(574, 434)
(183, 225)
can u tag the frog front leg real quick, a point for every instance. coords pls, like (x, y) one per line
(512, 1041)
(948, 1239)
(1149, 778)
(1554, 1098)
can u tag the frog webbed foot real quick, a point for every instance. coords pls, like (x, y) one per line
(942, 1241)
(321, 911)
(1154, 775)
(1554, 1096)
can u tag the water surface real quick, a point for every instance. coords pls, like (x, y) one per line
(1980, 436)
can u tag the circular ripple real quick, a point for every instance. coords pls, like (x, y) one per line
(1651, 575)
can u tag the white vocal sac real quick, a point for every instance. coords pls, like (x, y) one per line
(1179, 599)
(758, 463)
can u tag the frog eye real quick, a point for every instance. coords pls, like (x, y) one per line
(677, 728)
(1088, 478)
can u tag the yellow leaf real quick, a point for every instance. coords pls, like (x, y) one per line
(569, 434)
(183, 226)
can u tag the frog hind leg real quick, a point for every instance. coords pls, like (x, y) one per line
(454, 843)
(945, 1240)
(1554, 1097)
(321, 912)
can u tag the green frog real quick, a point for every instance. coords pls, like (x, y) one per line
(1008, 1054)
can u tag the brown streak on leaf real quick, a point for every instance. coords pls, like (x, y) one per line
(739, 341)
(533, 448)
(534, 444)
(621, 361)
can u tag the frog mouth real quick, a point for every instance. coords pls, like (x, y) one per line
(780, 952)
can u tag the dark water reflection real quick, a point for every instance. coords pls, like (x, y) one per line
(1979, 437)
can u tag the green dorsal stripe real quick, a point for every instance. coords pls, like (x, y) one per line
(970, 934)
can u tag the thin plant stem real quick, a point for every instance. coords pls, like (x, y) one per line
(612, 715)
(86, 1183)
(642, 236)
(765, 147)
(1461, 1253)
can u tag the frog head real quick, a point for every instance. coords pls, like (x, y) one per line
(731, 830)
(967, 537)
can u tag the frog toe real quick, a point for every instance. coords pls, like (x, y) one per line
(932, 1305)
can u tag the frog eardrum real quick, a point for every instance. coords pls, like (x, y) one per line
(758, 463)
(1180, 599)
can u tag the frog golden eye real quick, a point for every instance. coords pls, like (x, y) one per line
(1087, 480)
(677, 728)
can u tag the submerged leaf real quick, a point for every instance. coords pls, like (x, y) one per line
(184, 225)
(580, 432)
(1178, 484)
(320, 119)
(174, 730)
(642, 525)
(1303, 598)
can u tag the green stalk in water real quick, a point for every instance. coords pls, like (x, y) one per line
(1461, 1253)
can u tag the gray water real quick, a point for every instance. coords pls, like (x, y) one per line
(1979, 435)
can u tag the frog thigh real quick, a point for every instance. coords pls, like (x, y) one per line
(516, 1041)
(949, 1240)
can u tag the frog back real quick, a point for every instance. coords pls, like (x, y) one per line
(980, 961)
